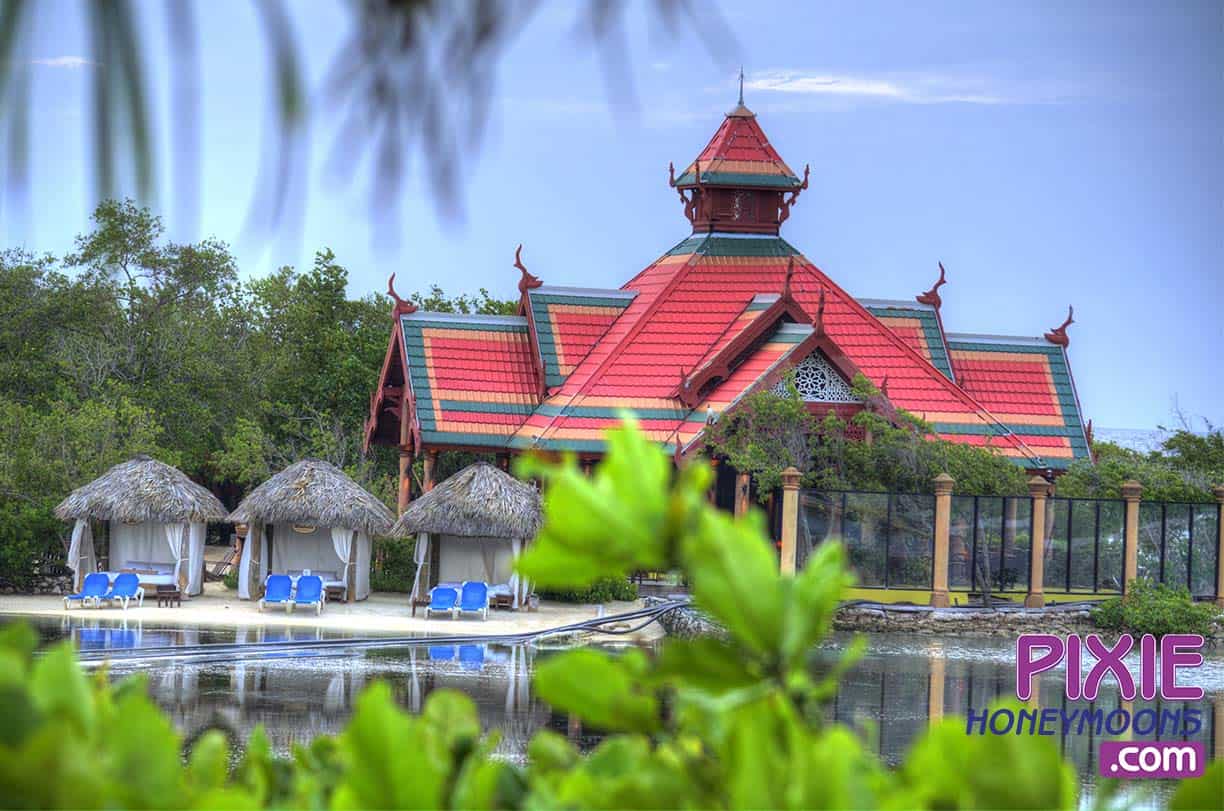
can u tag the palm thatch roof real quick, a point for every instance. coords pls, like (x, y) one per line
(142, 489)
(314, 493)
(478, 501)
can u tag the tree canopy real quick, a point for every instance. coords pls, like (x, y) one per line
(133, 343)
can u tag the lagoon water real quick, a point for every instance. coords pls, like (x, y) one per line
(891, 694)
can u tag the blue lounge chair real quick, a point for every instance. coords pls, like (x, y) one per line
(125, 589)
(474, 599)
(92, 589)
(309, 592)
(471, 657)
(442, 600)
(277, 589)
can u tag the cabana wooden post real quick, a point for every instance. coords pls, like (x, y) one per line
(310, 516)
(157, 519)
(479, 504)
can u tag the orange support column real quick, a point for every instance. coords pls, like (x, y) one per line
(1039, 490)
(943, 526)
(790, 518)
(405, 481)
(1132, 491)
(742, 488)
(430, 464)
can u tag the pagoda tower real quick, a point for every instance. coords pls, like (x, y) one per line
(739, 183)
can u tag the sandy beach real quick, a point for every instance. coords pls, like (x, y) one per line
(382, 613)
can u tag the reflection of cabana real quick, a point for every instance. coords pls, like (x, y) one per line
(310, 516)
(156, 518)
(473, 526)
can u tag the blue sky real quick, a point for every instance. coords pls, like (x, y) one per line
(1047, 153)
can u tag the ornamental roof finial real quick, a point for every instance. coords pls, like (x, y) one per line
(1058, 335)
(818, 321)
(740, 110)
(932, 296)
(527, 281)
(786, 283)
(402, 307)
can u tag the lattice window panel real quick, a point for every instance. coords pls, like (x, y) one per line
(818, 382)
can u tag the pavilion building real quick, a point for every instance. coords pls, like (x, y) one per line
(730, 309)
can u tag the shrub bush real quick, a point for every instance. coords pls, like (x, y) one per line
(393, 568)
(1157, 609)
(602, 590)
(230, 578)
(29, 542)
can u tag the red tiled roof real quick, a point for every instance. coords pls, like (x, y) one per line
(477, 380)
(740, 154)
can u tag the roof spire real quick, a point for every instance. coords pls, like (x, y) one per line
(740, 110)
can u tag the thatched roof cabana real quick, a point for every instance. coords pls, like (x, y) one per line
(156, 518)
(142, 489)
(315, 493)
(322, 522)
(473, 526)
(478, 501)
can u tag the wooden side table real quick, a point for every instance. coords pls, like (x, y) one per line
(168, 595)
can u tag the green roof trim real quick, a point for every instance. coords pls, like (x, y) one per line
(452, 438)
(472, 325)
(486, 408)
(1064, 387)
(709, 245)
(765, 181)
(932, 336)
(546, 340)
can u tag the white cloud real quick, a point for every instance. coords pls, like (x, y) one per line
(911, 88)
(70, 62)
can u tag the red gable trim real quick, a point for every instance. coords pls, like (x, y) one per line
(936, 376)
(840, 361)
(719, 367)
(399, 401)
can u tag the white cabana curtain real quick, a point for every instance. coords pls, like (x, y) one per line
(253, 540)
(151, 545)
(516, 549)
(490, 560)
(342, 542)
(195, 557)
(420, 554)
(364, 554)
(174, 537)
(81, 557)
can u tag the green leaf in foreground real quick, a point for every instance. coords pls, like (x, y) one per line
(601, 689)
